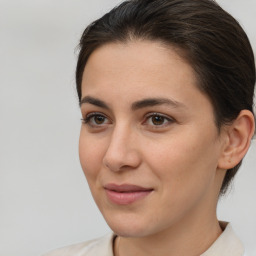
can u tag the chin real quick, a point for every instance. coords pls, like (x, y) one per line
(129, 225)
(129, 231)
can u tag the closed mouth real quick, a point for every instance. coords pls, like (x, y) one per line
(124, 188)
(126, 194)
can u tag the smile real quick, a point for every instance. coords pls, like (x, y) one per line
(126, 194)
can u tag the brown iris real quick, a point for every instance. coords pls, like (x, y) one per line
(99, 119)
(158, 120)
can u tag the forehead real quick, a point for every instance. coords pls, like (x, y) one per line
(140, 69)
(137, 60)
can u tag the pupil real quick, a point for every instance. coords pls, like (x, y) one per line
(158, 120)
(99, 119)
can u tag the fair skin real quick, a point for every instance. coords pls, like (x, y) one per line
(147, 124)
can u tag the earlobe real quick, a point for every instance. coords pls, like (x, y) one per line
(237, 140)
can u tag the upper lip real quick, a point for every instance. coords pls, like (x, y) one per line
(125, 188)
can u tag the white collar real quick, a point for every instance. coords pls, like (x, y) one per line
(227, 244)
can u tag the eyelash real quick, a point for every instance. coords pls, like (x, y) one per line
(87, 120)
(167, 120)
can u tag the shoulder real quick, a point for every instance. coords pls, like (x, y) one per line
(101, 246)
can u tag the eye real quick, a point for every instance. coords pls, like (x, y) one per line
(95, 119)
(157, 119)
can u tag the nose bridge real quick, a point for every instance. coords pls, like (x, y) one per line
(121, 151)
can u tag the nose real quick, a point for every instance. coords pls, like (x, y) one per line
(122, 152)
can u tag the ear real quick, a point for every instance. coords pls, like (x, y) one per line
(236, 140)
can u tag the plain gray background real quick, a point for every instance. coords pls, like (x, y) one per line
(44, 199)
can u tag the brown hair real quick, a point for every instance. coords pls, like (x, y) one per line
(210, 39)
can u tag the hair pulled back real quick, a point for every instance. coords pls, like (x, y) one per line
(209, 38)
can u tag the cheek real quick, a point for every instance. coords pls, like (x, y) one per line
(185, 164)
(91, 153)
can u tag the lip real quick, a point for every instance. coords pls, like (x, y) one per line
(125, 194)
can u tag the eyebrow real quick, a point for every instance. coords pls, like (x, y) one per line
(94, 101)
(148, 102)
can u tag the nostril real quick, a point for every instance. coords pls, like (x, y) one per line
(112, 168)
(121, 155)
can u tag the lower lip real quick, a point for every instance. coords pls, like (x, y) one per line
(125, 198)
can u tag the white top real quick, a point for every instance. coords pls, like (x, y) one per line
(227, 244)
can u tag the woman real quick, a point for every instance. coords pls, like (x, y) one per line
(166, 94)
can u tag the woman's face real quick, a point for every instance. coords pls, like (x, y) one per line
(149, 146)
